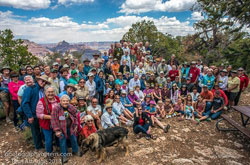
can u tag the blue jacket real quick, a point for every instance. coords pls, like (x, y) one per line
(143, 86)
(186, 72)
(29, 100)
(209, 81)
(99, 84)
(86, 70)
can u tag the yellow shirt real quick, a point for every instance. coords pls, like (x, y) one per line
(232, 82)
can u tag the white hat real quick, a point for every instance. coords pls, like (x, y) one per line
(90, 74)
(88, 117)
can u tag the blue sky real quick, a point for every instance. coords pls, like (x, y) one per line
(50, 21)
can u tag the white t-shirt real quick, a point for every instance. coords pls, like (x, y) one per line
(95, 110)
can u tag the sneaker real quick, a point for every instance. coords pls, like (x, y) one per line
(186, 117)
(169, 116)
(166, 128)
(17, 129)
(208, 119)
(166, 116)
(148, 137)
(198, 120)
(189, 118)
(174, 114)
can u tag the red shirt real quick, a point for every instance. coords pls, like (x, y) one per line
(207, 95)
(223, 95)
(86, 131)
(141, 122)
(172, 74)
(193, 73)
(244, 80)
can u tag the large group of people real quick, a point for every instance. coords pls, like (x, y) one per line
(128, 85)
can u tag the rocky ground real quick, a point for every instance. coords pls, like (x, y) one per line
(185, 143)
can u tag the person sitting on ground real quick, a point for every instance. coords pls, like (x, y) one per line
(123, 114)
(108, 118)
(110, 96)
(222, 94)
(95, 111)
(139, 93)
(89, 126)
(178, 107)
(217, 105)
(157, 93)
(194, 94)
(148, 91)
(142, 124)
(151, 111)
(126, 102)
(133, 98)
(199, 108)
(125, 86)
(207, 97)
(168, 109)
(160, 109)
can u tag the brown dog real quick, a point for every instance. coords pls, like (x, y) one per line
(105, 138)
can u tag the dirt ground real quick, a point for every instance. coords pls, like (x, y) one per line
(185, 143)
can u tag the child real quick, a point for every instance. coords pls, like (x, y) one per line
(189, 111)
(178, 107)
(168, 108)
(160, 109)
(151, 111)
(194, 94)
(199, 107)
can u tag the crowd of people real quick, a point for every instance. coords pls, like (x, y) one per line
(127, 85)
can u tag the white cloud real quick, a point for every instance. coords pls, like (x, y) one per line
(142, 6)
(196, 16)
(68, 2)
(46, 30)
(26, 4)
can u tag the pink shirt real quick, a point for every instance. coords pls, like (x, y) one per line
(14, 87)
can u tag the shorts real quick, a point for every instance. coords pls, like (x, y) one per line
(232, 95)
(5, 97)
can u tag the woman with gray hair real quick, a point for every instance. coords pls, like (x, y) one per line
(44, 108)
(65, 123)
(89, 126)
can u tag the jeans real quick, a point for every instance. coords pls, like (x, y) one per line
(131, 109)
(179, 111)
(15, 107)
(36, 134)
(207, 113)
(48, 136)
(188, 113)
(208, 106)
(138, 128)
(215, 115)
(63, 144)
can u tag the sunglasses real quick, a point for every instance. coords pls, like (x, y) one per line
(90, 121)
(140, 109)
(94, 102)
(81, 82)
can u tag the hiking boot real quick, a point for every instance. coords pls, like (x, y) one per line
(77, 153)
(64, 159)
(166, 128)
